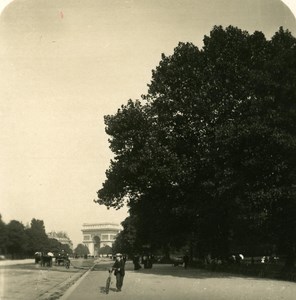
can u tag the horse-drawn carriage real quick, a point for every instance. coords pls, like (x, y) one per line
(62, 258)
(45, 259)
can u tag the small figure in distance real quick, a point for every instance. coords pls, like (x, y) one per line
(136, 261)
(186, 260)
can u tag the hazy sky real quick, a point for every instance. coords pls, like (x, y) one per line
(64, 64)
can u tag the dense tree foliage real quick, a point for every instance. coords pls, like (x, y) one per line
(19, 241)
(208, 156)
(105, 250)
(16, 238)
(81, 250)
(54, 245)
(126, 239)
(37, 237)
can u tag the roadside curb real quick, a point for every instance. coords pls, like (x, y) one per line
(62, 291)
(74, 284)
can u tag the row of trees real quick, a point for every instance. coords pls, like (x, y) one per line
(19, 241)
(207, 157)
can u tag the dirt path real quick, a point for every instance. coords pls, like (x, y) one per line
(24, 280)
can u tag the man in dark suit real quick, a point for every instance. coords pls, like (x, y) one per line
(119, 271)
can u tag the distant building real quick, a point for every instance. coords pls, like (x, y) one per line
(99, 235)
(61, 237)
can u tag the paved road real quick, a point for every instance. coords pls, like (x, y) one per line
(168, 282)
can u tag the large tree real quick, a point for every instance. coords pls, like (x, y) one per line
(17, 239)
(126, 240)
(211, 148)
(37, 237)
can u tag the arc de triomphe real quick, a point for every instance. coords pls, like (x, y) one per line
(98, 235)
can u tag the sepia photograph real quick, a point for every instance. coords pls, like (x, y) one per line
(148, 149)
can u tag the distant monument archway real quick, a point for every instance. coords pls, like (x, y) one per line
(99, 235)
(97, 243)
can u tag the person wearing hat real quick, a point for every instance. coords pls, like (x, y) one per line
(119, 271)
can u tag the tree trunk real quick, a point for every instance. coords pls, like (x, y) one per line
(166, 252)
(290, 258)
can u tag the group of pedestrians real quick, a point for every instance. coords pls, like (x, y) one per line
(146, 260)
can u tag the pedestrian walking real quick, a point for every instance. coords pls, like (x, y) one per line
(136, 262)
(119, 271)
(149, 261)
(186, 260)
(145, 261)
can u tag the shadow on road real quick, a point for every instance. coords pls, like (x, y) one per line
(175, 271)
(179, 271)
(168, 270)
(103, 290)
(99, 267)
